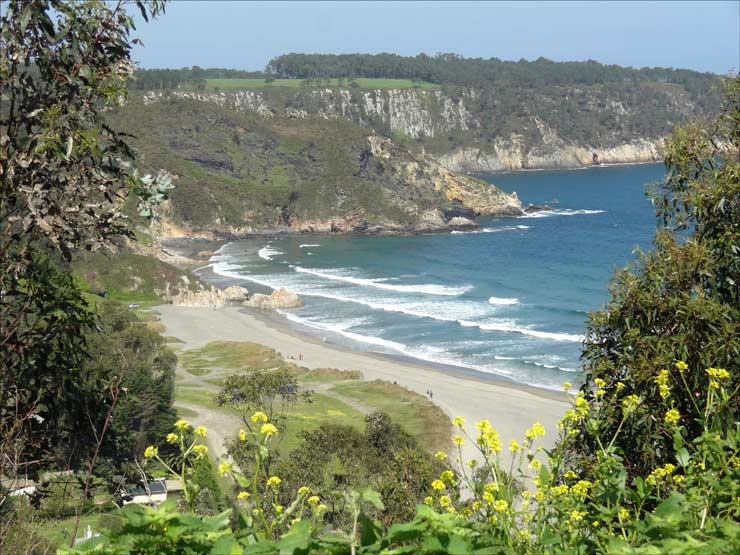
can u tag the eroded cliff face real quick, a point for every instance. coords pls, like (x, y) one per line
(474, 131)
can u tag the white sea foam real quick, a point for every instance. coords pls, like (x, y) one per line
(306, 245)
(490, 230)
(427, 353)
(512, 327)
(267, 252)
(428, 289)
(502, 301)
(562, 212)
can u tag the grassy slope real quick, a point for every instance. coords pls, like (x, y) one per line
(235, 168)
(297, 83)
(130, 277)
(419, 416)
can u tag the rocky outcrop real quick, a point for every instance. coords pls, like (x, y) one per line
(434, 116)
(479, 196)
(514, 155)
(212, 297)
(280, 298)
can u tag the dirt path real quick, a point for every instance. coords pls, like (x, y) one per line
(326, 389)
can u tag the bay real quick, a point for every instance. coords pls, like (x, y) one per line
(508, 301)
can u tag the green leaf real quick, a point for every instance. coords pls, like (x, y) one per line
(297, 540)
(26, 17)
(226, 546)
(373, 497)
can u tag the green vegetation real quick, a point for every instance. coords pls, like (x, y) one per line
(416, 414)
(231, 355)
(649, 455)
(362, 83)
(130, 277)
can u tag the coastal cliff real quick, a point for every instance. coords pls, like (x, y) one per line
(472, 130)
(243, 169)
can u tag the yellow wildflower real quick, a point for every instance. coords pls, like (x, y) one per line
(581, 488)
(243, 495)
(150, 452)
(303, 490)
(562, 489)
(718, 373)
(620, 386)
(200, 431)
(535, 431)
(662, 380)
(242, 435)
(224, 467)
(514, 446)
(200, 450)
(182, 425)
(570, 475)
(491, 486)
(672, 417)
(258, 417)
(681, 366)
(595, 524)
(438, 485)
(535, 464)
(441, 455)
(600, 385)
(483, 425)
(567, 386)
(278, 509)
(476, 505)
(472, 463)
(313, 500)
(321, 508)
(581, 405)
(458, 440)
(172, 438)
(444, 501)
(500, 506)
(268, 430)
(576, 516)
(623, 515)
(428, 500)
(274, 481)
(447, 476)
(459, 421)
(629, 404)
(488, 497)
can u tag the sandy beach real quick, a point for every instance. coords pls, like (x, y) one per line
(509, 408)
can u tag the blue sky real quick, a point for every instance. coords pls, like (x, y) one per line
(703, 36)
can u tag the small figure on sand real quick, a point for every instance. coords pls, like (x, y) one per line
(300, 356)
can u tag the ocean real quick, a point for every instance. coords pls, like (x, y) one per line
(507, 301)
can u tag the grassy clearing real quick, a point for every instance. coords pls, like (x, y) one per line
(319, 375)
(197, 371)
(233, 355)
(195, 395)
(309, 416)
(296, 83)
(59, 532)
(417, 414)
(183, 412)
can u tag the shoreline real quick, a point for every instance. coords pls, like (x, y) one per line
(279, 321)
(511, 408)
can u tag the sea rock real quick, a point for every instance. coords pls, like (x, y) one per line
(280, 298)
(460, 222)
(212, 298)
(538, 208)
(205, 254)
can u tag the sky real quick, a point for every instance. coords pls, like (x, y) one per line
(703, 36)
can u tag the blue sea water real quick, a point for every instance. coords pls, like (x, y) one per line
(510, 300)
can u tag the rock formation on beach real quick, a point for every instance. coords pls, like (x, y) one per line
(212, 297)
(280, 298)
